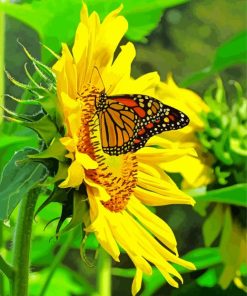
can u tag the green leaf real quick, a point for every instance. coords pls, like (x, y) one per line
(57, 195)
(18, 177)
(12, 141)
(124, 272)
(64, 282)
(230, 53)
(234, 195)
(243, 269)
(62, 172)
(232, 249)
(44, 127)
(226, 234)
(143, 15)
(55, 25)
(79, 210)
(213, 225)
(208, 279)
(55, 150)
(7, 140)
(202, 258)
(42, 252)
(52, 108)
(52, 21)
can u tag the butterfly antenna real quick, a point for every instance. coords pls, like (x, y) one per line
(100, 78)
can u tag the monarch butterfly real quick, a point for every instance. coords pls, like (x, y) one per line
(128, 121)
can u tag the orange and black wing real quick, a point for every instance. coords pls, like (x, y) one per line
(117, 128)
(130, 120)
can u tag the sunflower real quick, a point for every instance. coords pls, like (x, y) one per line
(216, 133)
(118, 187)
(200, 172)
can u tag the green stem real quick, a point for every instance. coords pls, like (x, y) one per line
(2, 75)
(22, 242)
(104, 273)
(1, 246)
(58, 259)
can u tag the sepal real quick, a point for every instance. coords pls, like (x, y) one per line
(55, 150)
(44, 127)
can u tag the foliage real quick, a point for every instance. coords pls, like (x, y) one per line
(224, 136)
(228, 54)
(225, 133)
(45, 17)
(233, 195)
(24, 175)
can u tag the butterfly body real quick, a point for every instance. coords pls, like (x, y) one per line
(128, 121)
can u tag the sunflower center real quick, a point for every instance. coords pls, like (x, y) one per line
(116, 174)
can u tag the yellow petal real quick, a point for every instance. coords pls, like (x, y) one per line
(84, 14)
(137, 282)
(154, 155)
(81, 43)
(86, 161)
(199, 174)
(154, 251)
(145, 84)
(140, 262)
(121, 231)
(159, 190)
(120, 71)
(98, 190)
(72, 114)
(167, 276)
(156, 225)
(107, 43)
(69, 143)
(149, 169)
(71, 72)
(161, 142)
(156, 199)
(100, 226)
(238, 281)
(156, 184)
(75, 177)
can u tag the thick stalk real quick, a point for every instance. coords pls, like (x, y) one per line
(2, 81)
(2, 43)
(1, 247)
(22, 242)
(57, 260)
(104, 273)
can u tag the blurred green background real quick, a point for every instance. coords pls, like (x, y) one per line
(182, 38)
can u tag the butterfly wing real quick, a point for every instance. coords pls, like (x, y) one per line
(153, 117)
(130, 120)
(117, 128)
